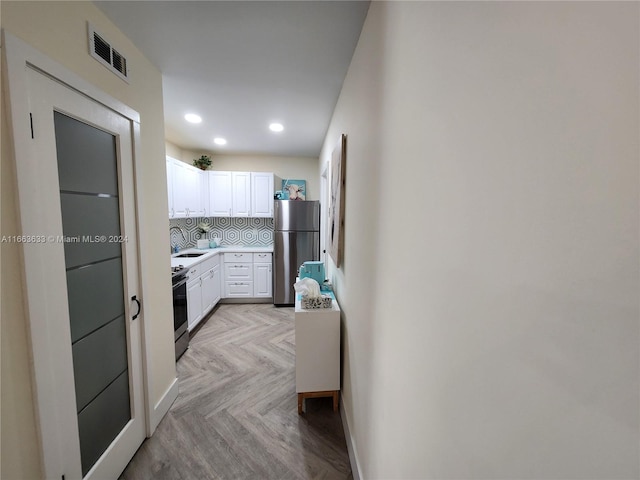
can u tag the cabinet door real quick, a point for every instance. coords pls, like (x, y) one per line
(262, 280)
(208, 293)
(170, 185)
(241, 194)
(204, 194)
(261, 194)
(178, 180)
(219, 194)
(194, 303)
(192, 190)
(216, 284)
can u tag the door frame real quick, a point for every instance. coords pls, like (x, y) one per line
(17, 58)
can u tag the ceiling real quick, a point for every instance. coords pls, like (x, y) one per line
(242, 65)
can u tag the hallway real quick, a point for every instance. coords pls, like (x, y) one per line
(236, 414)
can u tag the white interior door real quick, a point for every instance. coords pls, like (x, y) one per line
(81, 281)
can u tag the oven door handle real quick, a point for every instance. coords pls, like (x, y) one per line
(180, 283)
(135, 299)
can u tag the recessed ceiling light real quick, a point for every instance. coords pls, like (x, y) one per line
(219, 141)
(276, 127)
(193, 118)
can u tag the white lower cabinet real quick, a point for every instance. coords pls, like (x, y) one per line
(217, 283)
(262, 280)
(238, 275)
(208, 291)
(194, 303)
(247, 275)
(203, 290)
(239, 289)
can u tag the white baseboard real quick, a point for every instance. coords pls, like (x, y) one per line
(162, 407)
(353, 457)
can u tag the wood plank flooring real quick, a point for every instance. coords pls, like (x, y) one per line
(236, 414)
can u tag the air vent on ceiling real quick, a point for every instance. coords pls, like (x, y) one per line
(101, 50)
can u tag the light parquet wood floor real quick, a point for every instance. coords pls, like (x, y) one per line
(236, 414)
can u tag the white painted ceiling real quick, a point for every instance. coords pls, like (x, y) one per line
(241, 65)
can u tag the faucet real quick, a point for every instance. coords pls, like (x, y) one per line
(174, 247)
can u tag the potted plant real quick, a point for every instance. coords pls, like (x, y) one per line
(203, 162)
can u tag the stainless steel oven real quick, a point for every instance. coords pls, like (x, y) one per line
(181, 334)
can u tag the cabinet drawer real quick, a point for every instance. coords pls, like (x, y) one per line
(262, 258)
(238, 257)
(238, 289)
(194, 272)
(206, 265)
(238, 271)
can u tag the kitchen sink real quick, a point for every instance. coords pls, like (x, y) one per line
(188, 255)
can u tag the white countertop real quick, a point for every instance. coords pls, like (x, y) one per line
(210, 252)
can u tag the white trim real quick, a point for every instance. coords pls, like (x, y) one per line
(142, 260)
(351, 447)
(161, 408)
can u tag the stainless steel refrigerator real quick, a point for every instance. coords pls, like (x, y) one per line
(296, 240)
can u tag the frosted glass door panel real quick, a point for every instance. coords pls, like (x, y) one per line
(87, 171)
(88, 157)
(92, 227)
(101, 421)
(98, 360)
(95, 296)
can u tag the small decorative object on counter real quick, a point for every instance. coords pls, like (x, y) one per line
(323, 301)
(310, 296)
(203, 162)
(326, 286)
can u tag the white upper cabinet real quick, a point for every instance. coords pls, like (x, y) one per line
(186, 189)
(240, 194)
(194, 193)
(261, 194)
(219, 194)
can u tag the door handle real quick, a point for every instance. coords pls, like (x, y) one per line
(135, 299)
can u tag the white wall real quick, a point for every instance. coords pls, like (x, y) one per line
(59, 30)
(490, 279)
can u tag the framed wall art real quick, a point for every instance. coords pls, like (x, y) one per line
(294, 189)
(337, 204)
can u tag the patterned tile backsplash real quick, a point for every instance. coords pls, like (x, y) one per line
(232, 231)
